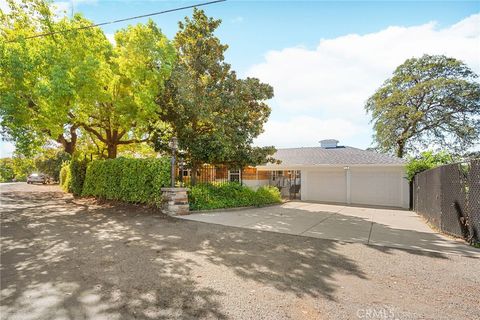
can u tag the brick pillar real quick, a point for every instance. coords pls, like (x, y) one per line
(175, 201)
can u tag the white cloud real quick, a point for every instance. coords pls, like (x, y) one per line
(334, 80)
(306, 131)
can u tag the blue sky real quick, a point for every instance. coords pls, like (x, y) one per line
(323, 58)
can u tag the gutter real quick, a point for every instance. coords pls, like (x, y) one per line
(303, 166)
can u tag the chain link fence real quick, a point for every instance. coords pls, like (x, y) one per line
(449, 198)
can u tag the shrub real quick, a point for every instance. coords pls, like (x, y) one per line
(78, 169)
(65, 177)
(212, 196)
(7, 171)
(427, 160)
(72, 176)
(130, 180)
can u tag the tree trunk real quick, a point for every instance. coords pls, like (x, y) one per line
(69, 146)
(111, 151)
(193, 180)
(400, 148)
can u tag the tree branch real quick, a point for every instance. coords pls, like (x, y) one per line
(93, 131)
(133, 141)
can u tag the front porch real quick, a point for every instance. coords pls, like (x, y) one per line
(287, 181)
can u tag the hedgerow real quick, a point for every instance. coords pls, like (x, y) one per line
(229, 195)
(72, 176)
(130, 180)
(65, 176)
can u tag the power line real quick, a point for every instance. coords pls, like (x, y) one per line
(122, 20)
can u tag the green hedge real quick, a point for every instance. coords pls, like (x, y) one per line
(72, 176)
(211, 196)
(130, 180)
(65, 176)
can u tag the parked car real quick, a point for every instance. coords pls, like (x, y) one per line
(37, 178)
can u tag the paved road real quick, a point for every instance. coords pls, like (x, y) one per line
(65, 258)
(373, 226)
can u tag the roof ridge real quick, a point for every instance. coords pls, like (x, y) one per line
(318, 147)
(319, 155)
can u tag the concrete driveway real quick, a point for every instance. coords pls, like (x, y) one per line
(373, 226)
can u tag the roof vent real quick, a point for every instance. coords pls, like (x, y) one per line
(329, 143)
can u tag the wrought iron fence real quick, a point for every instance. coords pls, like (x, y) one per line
(449, 198)
(217, 174)
(287, 182)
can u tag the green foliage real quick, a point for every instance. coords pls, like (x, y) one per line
(130, 180)
(72, 176)
(65, 177)
(131, 79)
(76, 86)
(214, 115)
(50, 162)
(427, 160)
(47, 81)
(429, 100)
(230, 195)
(7, 172)
(22, 167)
(51, 88)
(78, 169)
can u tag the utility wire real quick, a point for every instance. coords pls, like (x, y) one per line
(122, 20)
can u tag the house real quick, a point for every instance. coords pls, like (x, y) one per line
(327, 173)
(340, 174)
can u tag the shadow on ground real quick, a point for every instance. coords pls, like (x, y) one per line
(65, 258)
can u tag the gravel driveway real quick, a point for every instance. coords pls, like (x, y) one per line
(65, 258)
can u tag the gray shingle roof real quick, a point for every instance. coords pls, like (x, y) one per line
(333, 156)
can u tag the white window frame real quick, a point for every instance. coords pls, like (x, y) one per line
(235, 173)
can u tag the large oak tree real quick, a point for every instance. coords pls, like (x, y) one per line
(54, 86)
(123, 105)
(432, 100)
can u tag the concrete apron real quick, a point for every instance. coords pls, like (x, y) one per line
(372, 226)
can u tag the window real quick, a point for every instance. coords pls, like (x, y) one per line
(184, 172)
(276, 175)
(234, 175)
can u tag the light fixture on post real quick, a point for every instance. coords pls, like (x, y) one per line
(173, 145)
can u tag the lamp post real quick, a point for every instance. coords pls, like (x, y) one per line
(173, 144)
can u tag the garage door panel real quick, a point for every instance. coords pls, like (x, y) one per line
(329, 186)
(375, 186)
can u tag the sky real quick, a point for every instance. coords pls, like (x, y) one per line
(323, 58)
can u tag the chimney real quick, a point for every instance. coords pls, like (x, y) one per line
(329, 143)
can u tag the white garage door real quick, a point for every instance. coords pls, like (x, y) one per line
(325, 185)
(382, 186)
(376, 186)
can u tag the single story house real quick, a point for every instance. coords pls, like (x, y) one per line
(341, 174)
(327, 173)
